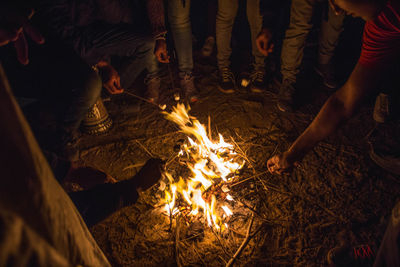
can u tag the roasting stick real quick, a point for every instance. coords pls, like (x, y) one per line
(162, 107)
(245, 242)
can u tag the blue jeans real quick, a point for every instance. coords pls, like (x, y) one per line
(227, 10)
(179, 20)
(295, 38)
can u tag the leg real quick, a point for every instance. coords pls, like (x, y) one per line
(178, 16)
(388, 253)
(68, 82)
(293, 45)
(227, 10)
(84, 94)
(255, 21)
(119, 40)
(330, 32)
(209, 43)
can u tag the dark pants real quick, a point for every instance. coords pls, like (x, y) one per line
(55, 74)
(102, 40)
(105, 29)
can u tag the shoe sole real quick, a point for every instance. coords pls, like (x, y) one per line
(320, 74)
(382, 163)
(226, 91)
(256, 90)
(283, 109)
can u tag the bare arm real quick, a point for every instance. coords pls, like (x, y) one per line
(336, 110)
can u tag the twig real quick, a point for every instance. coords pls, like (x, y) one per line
(170, 160)
(209, 127)
(198, 255)
(145, 149)
(251, 177)
(219, 241)
(133, 166)
(261, 181)
(170, 217)
(176, 242)
(244, 243)
(243, 154)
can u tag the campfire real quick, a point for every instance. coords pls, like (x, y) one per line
(203, 191)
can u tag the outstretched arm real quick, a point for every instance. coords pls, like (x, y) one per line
(336, 110)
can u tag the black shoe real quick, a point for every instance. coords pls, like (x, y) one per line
(227, 82)
(344, 256)
(257, 81)
(285, 97)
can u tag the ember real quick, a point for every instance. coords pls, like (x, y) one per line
(213, 165)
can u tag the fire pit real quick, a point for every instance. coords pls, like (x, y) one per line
(213, 165)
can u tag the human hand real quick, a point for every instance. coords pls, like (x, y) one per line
(161, 51)
(264, 42)
(281, 163)
(110, 78)
(336, 9)
(14, 23)
(149, 174)
(86, 177)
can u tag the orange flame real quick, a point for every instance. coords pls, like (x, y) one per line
(208, 161)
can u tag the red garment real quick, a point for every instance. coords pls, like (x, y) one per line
(381, 39)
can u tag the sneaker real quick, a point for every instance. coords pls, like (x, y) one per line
(285, 97)
(327, 74)
(359, 256)
(153, 88)
(257, 81)
(381, 109)
(188, 87)
(208, 46)
(227, 82)
(388, 161)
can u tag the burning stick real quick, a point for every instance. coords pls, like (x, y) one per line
(209, 127)
(245, 242)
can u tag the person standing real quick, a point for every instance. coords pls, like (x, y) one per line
(179, 20)
(293, 48)
(226, 14)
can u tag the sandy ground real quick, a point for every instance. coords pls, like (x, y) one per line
(336, 195)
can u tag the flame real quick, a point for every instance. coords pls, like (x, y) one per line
(208, 162)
